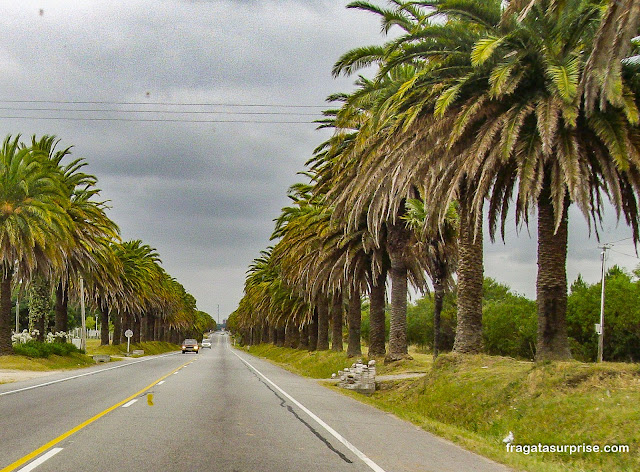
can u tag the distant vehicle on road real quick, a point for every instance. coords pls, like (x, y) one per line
(190, 345)
(206, 342)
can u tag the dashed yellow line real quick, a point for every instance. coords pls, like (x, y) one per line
(62, 437)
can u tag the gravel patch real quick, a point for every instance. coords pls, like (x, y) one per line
(12, 375)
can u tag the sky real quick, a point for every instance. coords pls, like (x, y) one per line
(140, 89)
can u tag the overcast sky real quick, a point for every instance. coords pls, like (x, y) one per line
(205, 193)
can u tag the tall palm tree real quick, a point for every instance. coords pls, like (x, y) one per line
(601, 77)
(517, 124)
(442, 257)
(33, 222)
(92, 229)
(419, 64)
(139, 283)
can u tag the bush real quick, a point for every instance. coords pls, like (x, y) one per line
(621, 313)
(420, 322)
(510, 327)
(37, 349)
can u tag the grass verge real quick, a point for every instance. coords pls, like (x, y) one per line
(475, 401)
(77, 360)
(321, 364)
(150, 348)
(53, 362)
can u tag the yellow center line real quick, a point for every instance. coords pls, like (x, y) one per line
(64, 436)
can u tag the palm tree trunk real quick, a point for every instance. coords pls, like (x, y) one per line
(304, 338)
(551, 284)
(117, 329)
(398, 237)
(126, 324)
(273, 335)
(157, 331)
(137, 328)
(377, 334)
(265, 332)
(323, 323)
(6, 320)
(354, 319)
(151, 328)
(313, 331)
(336, 320)
(398, 348)
(294, 336)
(438, 299)
(160, 336)
(280, 337)
(39, 304)
(104, 323)
(62, 304)
(468, 338)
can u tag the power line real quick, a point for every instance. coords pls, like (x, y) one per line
(153, 120)
(221, 104)
(620, 240)
(171, 112)
(622, 253)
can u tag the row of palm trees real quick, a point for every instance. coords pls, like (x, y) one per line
(475, 108)
(54, 231)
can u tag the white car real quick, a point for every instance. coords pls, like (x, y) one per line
(206, 342)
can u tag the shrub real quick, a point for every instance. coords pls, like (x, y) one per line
(510, 327)
(621, 313)
(38, 349)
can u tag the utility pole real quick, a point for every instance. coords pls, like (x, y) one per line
(600, 326)
(218, 319)
(18, 307)
(83, 333)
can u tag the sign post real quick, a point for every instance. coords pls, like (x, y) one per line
(128, 333)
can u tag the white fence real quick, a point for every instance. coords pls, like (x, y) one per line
(91, 333)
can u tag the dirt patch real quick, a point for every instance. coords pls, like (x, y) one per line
(12, 375)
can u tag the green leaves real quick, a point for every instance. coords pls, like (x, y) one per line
(447, 98)
(484, 49)
(565, 77)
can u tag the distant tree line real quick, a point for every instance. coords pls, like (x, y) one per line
(58, 246)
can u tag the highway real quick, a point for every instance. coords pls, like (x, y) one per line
(220, 410)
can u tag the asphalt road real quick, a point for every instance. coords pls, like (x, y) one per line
(220, 410)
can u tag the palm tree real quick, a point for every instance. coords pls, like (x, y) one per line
(601, 77)
(321, 255)
(143, 275)
(92, 230)
(518, 125)
(442, 257)
(359, 193)
(416, 67)
(33, 222)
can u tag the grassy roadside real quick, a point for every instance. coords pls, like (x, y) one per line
(72, 361)
(77, 360)
(476, 400)
(150, 348)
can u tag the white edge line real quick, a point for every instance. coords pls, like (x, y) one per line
(328, 428)
(83, 375)
(129, 403)
(41, 459)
